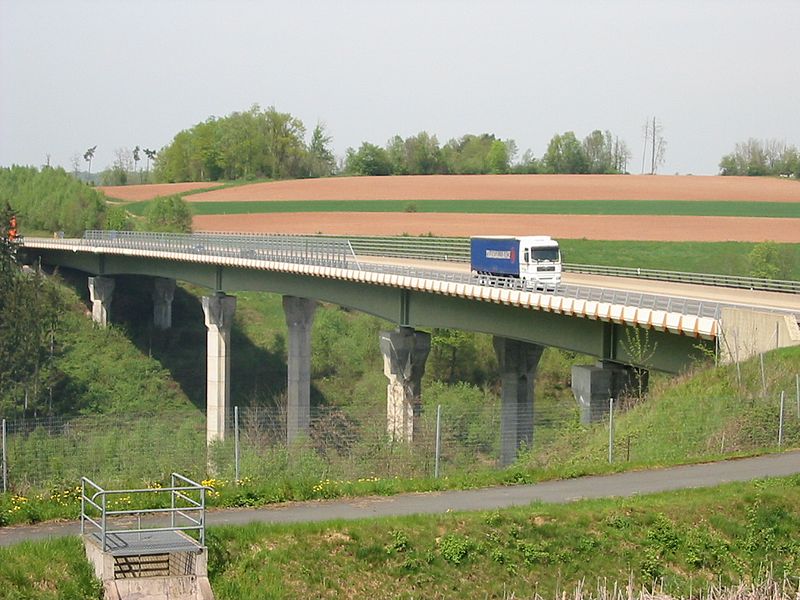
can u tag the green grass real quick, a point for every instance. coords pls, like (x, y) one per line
(686, 540)
(544, 207)
(725, 258)
(56, 569)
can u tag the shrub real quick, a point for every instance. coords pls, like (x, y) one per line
(455, 549)
(168, 213)
(767, 261)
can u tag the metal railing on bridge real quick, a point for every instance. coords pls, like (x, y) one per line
(313, 250)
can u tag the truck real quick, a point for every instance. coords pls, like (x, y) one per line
(533, 259)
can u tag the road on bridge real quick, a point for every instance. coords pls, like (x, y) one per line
(725, 295)
(617, 485)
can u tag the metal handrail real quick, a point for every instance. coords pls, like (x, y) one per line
(175, 491)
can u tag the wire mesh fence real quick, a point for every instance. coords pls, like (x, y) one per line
(348, 443)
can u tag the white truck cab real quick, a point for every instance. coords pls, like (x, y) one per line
(540, 261)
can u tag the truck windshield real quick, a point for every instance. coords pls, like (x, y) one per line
(550, 254)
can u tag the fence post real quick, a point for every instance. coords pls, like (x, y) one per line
(5, 460)
(780, 424)
(610, 430)
(797, 393)
(438, 440)
(236, 442)
(763, 375)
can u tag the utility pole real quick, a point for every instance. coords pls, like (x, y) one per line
(653, 161)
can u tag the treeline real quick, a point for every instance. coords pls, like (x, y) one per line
(246, 145)
(267, 143)
(599, 152)
(53, 200)
(757, 157)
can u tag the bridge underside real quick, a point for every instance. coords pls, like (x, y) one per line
(608, 341)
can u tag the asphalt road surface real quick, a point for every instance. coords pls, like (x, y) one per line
(605, 486)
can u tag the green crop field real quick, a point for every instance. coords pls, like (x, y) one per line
(543, 207)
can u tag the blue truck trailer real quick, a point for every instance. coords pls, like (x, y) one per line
(534, 259)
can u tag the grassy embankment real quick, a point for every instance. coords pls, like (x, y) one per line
(685, 542)
(152, 420)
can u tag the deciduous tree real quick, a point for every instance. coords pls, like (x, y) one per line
(497, 159)
(320, 157)
(369, 159)
(565, 155)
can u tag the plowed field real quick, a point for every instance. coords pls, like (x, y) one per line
(596, 227)
(515, 187)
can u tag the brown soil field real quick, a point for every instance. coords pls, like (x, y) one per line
(152, 190)
(514, 187)
(597, 227)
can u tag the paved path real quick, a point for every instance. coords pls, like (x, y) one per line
(619, 485)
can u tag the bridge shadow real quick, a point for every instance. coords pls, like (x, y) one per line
(258, 375)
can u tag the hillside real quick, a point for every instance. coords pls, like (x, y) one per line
(598, 207)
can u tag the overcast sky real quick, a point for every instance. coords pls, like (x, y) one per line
(79, 73)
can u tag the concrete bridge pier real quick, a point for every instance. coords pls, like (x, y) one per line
(163, 293)
(518, 362)
(299, 314)
(404, 354)
(219, 310)
(594, 385)
(101, 291)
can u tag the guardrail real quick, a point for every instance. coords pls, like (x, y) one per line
(95, 511)
(452, 249)
(732, 281)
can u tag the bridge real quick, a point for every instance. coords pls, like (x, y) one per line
(627, 327)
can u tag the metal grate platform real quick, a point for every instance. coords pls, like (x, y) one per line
(145, 543)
